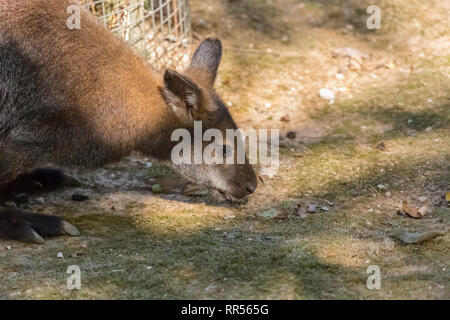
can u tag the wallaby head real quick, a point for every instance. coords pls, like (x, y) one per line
(191, 98)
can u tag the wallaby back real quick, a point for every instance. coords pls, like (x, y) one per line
(106, 96)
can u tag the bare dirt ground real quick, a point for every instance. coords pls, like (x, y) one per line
(394, 90)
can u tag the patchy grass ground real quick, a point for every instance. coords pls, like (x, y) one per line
(278, 55)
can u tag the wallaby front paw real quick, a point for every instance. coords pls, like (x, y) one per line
(44, 179)
(26, 226)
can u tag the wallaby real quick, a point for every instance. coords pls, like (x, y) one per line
(82, 97)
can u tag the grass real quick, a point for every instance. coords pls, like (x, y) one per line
(151, 247)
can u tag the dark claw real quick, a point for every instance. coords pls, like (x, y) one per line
(69, 181)
(29, 227)
(70, 229)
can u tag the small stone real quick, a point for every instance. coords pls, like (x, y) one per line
(326, 94)
(8, 247)
(422, 198)
(60, 255)
(285, 118)
(325, 208)
(156, 188)
(312, 208)
(148, 164)
(40, 200)
(201, 23)
(388, 194)
(78, 197)
(231, 235)
(267, 105)
(210, 288)
(380, 186)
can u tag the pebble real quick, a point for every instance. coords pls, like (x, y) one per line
(148, 164)
(60, 255)
(326, 94)
(8, 247)
(201, 23)
(388, 194)
(40, 200)
(312, 208)
(422, 198)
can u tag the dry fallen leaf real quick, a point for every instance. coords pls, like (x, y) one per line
(413, 211)
(447, 196)
(381, 146)
(390, 65)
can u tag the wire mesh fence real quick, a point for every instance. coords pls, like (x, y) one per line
(159, 30)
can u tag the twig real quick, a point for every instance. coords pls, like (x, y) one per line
(259, 51)
(255, 51)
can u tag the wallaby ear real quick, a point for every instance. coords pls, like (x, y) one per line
(181, 94)
(207, 57)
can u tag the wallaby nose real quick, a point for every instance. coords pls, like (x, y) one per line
(251, 189)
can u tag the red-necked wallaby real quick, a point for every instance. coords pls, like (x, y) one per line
(82, 98)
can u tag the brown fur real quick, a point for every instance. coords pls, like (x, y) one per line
(82, 97)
